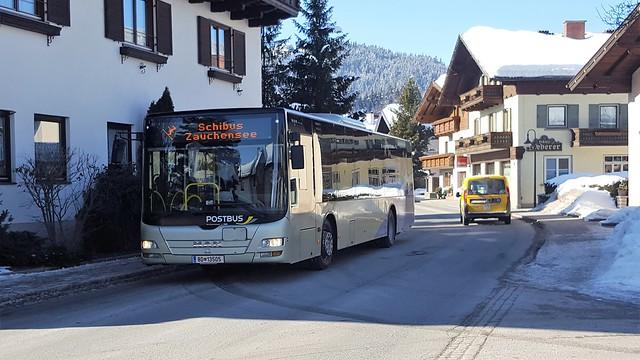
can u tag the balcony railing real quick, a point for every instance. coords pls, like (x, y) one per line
(599, 137)
(484, 143)
(481, 97)
(439, 161)
(446, 126)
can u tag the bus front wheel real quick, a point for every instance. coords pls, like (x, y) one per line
(327, 248)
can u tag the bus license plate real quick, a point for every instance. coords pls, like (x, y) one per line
(210, 260)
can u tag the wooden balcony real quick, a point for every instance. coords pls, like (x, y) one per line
(599, 137)
(438, 161)
(482, 97)
(484, 143)
(257, 12)
(446, 126)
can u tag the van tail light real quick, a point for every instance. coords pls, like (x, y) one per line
(508, 192)
(464, 196)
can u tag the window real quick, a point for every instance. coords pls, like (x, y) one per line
(50, 146)
(137, 22)
(374, 177)
(145, 23)
(5, 147)
(476, 169)
(476, 127)
(616, 163)
(119, 143)
(505, 168)
(556, 166)
(219, 44)
(26, 6)
(608, 116)
(490, 168)
(221, 47)
(506, 120)
(557, 116)
(493, 123)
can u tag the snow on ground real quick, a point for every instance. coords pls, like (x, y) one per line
(620, 274)
(4, 271)
(531, 54)
(578, 195)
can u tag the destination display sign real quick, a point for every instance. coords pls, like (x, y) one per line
(544, 143)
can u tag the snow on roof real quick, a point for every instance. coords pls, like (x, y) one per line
(512, 54)
(440, 80)
(389, 114)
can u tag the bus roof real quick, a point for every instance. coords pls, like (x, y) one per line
(322, 117)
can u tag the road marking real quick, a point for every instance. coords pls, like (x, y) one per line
(469, 339)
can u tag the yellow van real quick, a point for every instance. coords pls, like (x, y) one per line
(485, 197)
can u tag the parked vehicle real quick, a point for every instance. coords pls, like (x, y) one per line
(485, 197)
(420, 194)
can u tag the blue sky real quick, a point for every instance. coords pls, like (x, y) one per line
(431, 27)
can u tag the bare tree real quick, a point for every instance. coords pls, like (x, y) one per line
(57, 185)
(614, 15)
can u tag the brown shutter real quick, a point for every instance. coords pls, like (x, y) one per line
(204, 41)
(164, 28)
(228, 61)
(58, 12)
(239, 53)
(114, 19)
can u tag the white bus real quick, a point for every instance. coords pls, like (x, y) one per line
(269, 186)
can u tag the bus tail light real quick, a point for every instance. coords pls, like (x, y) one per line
(464, 196)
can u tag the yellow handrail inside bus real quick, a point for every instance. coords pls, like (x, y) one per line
(216, 191)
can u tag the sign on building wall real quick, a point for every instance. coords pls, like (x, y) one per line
(462, 161)
(544, 143)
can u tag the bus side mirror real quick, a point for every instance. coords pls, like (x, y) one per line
(457, 194)
(297, 157)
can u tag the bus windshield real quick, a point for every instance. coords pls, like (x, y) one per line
(214, 169)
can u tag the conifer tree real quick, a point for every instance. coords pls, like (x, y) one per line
(313, 84)
(274, 67)
(164, 104)
(407, 128)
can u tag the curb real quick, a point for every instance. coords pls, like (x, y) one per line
(39, 295)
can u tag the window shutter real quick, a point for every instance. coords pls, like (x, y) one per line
(239, 53)
(114, 19)
(228, 60)
(58, 12)
(594, 116)
(623, 116)
(573, 116)
(204, 41)
(542, 116)
(164, 28)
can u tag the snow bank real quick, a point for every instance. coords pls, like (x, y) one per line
(622, 275)
(578, 195)
(5, 271)
(530, 53)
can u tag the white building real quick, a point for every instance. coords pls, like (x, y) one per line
(615, 68)
(75, 72)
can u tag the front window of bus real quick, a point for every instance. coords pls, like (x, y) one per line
(210, 169)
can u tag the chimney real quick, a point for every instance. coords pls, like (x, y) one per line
(574, 29)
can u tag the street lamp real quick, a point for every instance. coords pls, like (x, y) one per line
(532, 143)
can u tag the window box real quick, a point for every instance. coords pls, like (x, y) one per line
(27, 23)
(142, 54)
(224, 76)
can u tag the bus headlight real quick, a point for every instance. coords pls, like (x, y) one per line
(148, 245)
(272, 243)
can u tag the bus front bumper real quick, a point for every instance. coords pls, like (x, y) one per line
(153, 258)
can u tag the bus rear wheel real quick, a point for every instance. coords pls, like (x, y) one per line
(327, 248)
(392, 230)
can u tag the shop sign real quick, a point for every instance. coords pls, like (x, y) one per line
(544, 143)
(462, 161)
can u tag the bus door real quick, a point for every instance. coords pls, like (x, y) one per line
(302, 188)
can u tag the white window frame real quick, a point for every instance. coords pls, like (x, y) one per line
(613, 162)
(557, 161)
(617, 124)
(549, 107)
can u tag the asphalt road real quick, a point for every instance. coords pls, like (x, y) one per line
(441, 292)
